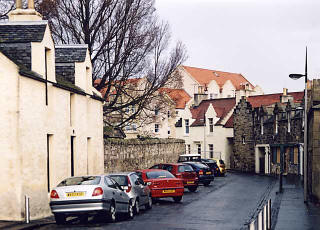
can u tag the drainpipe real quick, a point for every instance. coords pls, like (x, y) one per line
(27, 209)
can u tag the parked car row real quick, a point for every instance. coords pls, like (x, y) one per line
(126, 192)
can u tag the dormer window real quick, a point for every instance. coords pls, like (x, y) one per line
(211, 125)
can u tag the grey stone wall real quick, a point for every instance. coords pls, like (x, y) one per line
(243, 158)
(314, 142)
(131, 154)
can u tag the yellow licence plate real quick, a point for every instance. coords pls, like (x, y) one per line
(190, 182)
(71, 194)
(208, 172)
(168, 191)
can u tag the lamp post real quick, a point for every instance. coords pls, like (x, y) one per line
(305, 149)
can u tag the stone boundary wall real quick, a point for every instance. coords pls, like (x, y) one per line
(121, 155)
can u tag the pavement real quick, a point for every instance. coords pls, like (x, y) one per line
(288, 210)
(293, 213)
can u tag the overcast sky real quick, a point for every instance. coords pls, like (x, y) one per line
(264, 40)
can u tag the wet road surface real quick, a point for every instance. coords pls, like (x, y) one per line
(226, 204)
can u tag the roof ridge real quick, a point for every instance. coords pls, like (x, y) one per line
(71, 46)
(212, 70)
(273, 94)
(23, 23)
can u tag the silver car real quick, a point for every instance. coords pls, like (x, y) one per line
(136, 189)
(86, 195)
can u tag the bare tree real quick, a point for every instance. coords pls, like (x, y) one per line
(126, 40)
(5, 7)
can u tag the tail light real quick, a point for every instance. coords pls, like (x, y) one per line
(97, 192)
(200, 172)
(129, 185)
(179, 175)
(54, 194)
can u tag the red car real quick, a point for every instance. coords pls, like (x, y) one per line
(162, 183)
(183, 171)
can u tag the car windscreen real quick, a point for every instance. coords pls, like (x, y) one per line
(84, 180)
(122, 180)
(159, 174)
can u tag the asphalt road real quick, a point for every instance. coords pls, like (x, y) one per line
(226, 204)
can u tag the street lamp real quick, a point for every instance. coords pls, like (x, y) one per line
(305, 149)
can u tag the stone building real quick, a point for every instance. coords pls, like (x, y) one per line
(50, 124)
(265, 126)
(314, 142)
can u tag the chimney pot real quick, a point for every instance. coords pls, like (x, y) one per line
(285, 91)
(19, 4)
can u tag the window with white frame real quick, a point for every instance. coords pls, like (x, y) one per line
(168, 113)
(211, 150)
(199, 148)
(211, 125)
(189, 149)
(156, 128)
(156, 111)
(186, 121)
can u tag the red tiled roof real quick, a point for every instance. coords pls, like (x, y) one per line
(221, 106)
(132, 81)
(229, 123)
(269, 99)
(205, 76)
(179, 96)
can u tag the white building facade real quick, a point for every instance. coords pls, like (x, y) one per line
(51, 125)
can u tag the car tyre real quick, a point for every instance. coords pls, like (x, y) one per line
(193, 188)
(112, 215)
(136, 207)
(207, 183)
(149, 204)
(177, 199)
(130, 212)
(60, 218)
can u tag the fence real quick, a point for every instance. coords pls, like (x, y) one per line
(262, 221)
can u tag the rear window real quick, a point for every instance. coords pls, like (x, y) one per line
(122, 180)
(85, 180)
(159, 174)
(183, 168)
(221, 162)
(199, 165)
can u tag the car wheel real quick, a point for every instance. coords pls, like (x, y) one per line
(193, 188)
(177, 199)
(149, 204)
(60, 218)
(130, 210)
(112, 213)
(136, 207)
(206, 183)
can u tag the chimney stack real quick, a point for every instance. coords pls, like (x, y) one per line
(19, 4)
(285, 91)
(31, 4)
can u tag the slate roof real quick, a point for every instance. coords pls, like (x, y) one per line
(205, 76)
(179, 96)
(22, 32)
(71, 53)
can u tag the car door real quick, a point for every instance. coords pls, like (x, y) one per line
(117, 193)
(139, 188)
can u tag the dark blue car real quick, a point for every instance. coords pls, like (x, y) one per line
(205, 174)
